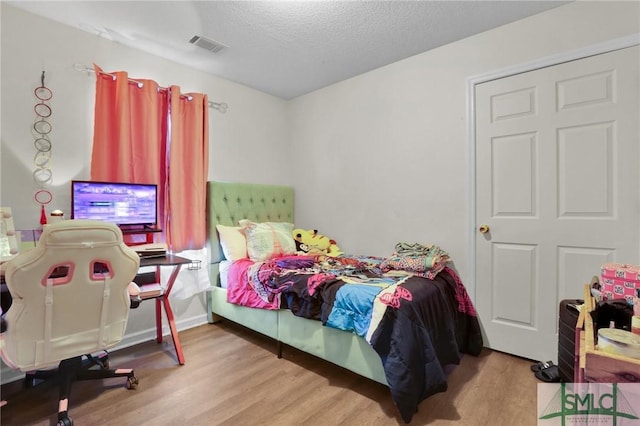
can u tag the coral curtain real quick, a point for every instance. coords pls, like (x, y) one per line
(188, 168)
(147, 134)
(129, 140)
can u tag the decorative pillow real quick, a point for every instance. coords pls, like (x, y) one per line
(233, 242)
(266, 240)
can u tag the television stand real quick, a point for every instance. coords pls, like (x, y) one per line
(146, 230)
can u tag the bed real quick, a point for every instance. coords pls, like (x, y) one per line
(413, 327)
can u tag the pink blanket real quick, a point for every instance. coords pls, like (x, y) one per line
(240, 292)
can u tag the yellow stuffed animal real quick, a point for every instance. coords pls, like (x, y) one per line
(310, 242)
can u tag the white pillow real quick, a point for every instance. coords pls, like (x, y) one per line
(266, 240)
(233, 242)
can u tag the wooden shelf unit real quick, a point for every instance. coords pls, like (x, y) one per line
(594, 365)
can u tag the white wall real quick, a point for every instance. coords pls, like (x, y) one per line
(245, 143)
(383, 157)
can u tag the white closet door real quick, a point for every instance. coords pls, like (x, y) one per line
(558, 187)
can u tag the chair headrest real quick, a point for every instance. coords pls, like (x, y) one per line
(80, 233)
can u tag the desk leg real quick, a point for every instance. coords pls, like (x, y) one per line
(170, 318)
(158, 311)
(159, 320)
(174, 330)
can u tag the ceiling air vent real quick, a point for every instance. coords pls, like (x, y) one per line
(207, 44)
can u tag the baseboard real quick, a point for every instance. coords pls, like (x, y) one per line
(9, 375)
(150, 333)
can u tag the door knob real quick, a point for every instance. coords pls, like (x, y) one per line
(483, 229)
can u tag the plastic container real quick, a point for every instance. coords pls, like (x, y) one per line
(619, 342)
(635, 324)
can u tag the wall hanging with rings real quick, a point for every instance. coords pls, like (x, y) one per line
(43, 197)
(42, 174)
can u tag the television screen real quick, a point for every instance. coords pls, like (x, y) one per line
(117, 202)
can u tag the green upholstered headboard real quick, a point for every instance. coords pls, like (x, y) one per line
(229, 202)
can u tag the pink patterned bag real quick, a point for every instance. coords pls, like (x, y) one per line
(619, 280)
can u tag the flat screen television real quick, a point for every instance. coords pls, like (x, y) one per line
(124, 204)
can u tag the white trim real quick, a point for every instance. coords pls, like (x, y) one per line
(556, 59)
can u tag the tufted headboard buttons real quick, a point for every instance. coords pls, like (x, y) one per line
(228, 202)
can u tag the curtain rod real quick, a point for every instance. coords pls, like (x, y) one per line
(220, 106)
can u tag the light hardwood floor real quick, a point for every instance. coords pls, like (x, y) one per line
(233, 377)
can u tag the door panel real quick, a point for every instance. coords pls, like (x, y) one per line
(514, 260)
(585, 170)
(513, 162)
(557, 183)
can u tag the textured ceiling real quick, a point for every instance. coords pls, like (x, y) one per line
(286, 48)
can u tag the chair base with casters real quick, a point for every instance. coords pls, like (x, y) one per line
(82, 368)
(75, 369)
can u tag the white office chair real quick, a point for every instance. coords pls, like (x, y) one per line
(70, 299)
